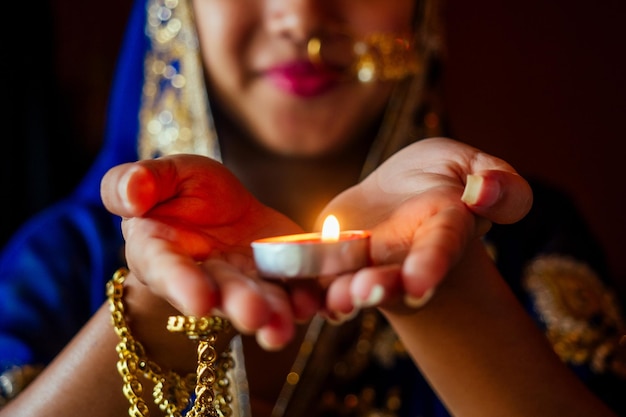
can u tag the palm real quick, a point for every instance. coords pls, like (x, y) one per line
(412, 204)
(200, 207)
(400, 199)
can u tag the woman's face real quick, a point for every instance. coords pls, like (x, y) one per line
(255, 55)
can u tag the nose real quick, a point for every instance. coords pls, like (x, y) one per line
(297, 20)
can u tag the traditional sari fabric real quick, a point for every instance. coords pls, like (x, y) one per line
(53, 272)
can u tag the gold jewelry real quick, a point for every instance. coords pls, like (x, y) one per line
(212, 396)
(378, 56)
(385, 57)
(172, 392)
(314, 50)
(14, 379)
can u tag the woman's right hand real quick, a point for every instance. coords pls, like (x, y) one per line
(188, 224)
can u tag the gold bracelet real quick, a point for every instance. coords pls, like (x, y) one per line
(172, 392)
(14, 379)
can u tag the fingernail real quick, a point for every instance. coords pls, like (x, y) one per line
(265, 344)
(374, 298)
(417, 302)
(473, 185)
(337, 317)
(264, 337)
(179, 302)
(480, 191)
(122, 188)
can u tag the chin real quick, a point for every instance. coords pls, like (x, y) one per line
(304, 139)
(300, 148)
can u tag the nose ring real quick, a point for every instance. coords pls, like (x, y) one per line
(314, 51)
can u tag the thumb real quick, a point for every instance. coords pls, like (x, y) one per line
(499, 196)
(128, 190)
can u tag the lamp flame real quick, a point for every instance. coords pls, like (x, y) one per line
(330, 229)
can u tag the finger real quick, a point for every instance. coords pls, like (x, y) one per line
(306, 299)
(280, 328)
(253, 305)
(167, 268)
(338, 298)
(128, 190)
(376, 286)
(437, 246)
(382, 287)
(368, 287)
(241, 297)
(499, 196)
(132, 189)
(304, 294)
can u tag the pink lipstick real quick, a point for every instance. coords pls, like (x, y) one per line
(301, 78)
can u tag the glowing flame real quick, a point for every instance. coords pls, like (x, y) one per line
(330, 229)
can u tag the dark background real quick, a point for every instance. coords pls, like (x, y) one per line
(542, 85)
(537, 83)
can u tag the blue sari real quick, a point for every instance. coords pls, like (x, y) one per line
(53, 270)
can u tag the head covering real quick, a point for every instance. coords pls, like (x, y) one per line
(175, 115)
(174, 111)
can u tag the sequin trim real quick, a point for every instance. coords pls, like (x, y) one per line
(174, 115)
(581, 315)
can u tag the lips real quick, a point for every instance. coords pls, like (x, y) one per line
(301, 78)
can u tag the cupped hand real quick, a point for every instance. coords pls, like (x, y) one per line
(423, 206)
(188, 224)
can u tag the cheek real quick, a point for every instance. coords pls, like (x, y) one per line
(222, 30)
(222, 26)
(382, 16)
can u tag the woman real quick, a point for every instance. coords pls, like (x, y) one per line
(306, 98)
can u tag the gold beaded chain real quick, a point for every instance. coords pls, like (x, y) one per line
(212, 395)
(172, 392)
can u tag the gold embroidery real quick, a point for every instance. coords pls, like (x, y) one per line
(582, 318)
(174, 116)
(377, 343)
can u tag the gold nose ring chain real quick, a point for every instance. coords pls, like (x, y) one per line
(377, 57)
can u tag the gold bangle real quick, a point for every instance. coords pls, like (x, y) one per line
(172, 392)
(14, 379)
